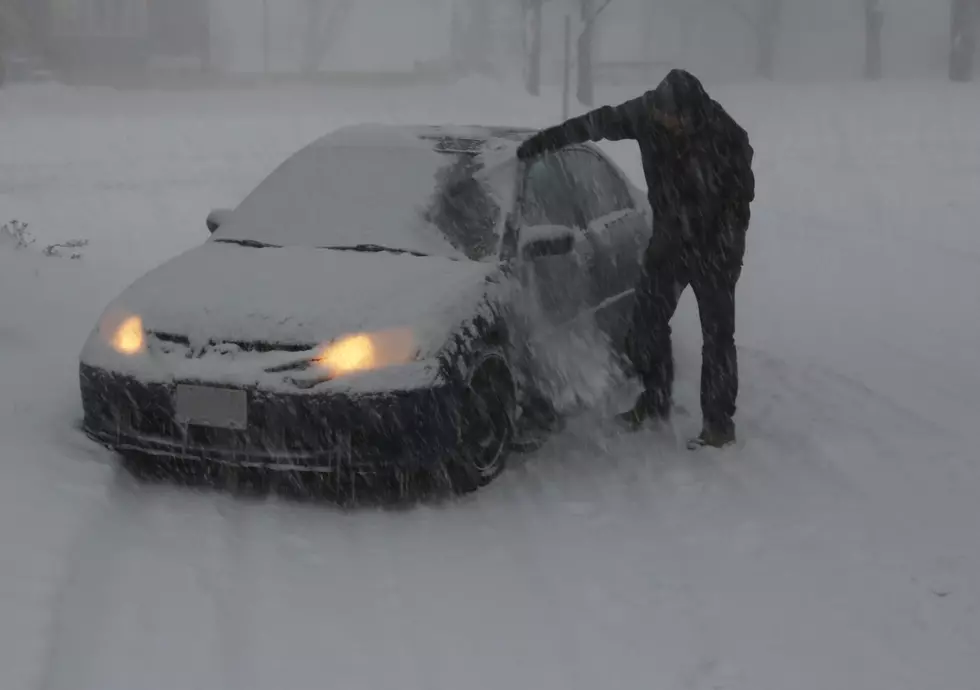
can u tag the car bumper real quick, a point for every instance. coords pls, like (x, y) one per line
(406, 430)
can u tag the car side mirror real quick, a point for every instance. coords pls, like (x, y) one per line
(538, 241)
(217, 218)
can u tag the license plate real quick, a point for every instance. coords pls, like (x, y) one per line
(226, 408)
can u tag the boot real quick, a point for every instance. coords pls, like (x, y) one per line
(645, 410)
(713, 438)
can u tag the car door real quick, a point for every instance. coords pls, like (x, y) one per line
(618, 230)
(561, 284)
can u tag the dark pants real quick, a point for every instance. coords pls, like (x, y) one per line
(713, 275)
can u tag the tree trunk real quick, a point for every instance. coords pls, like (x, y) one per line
(322, 29)
(874, 19)
(586, 89)
(478, 37)
(534, 50)
(963, 39)
(768, 29)
(649, 30)
(206, 48)
(456, 40)
(315, 11)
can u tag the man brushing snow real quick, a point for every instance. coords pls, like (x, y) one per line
(698, 166)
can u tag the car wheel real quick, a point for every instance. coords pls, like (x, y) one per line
(486, 427)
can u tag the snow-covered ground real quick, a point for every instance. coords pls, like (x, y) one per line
(837, 547)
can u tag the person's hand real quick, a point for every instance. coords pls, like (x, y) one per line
(530, 148)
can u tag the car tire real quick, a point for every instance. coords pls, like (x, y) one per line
(486, 426)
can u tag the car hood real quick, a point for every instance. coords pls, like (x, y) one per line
(303, 296)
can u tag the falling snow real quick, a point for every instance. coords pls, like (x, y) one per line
(835, 547)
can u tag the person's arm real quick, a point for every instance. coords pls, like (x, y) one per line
(613, 123)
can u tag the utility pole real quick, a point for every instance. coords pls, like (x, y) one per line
(566, 86)
(874, 20)
(266, 39)
(535, 9)
(770, 15)
(586, 80)
(964, 17)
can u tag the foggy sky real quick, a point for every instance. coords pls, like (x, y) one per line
(816, 38)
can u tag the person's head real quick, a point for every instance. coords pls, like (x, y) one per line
(673, 123)
(680, 102)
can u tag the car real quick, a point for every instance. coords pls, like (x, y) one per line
(370, 308)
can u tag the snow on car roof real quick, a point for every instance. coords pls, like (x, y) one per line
(371, 134)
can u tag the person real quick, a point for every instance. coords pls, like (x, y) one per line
(698, 166)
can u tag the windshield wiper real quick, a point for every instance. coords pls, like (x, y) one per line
(374, 248)
(247, 243)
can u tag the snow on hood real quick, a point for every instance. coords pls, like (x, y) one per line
(299, 296)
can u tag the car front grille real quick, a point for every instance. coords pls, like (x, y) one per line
(376, 426)
(243, 345)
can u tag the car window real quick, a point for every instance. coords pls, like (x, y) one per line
(549, 194)
(598, 185)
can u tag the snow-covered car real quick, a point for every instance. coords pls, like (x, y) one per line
(368, 307)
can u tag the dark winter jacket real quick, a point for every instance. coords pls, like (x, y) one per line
(700, 182)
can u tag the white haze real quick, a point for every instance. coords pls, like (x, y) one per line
(815, 39)
(718, 39)
(835, 547)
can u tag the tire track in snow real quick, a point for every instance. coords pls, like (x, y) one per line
(225, 579)
(809, 511)
(784, 414)
(601, 554)
(85, 596)
(276, 589)
(587, 610)
(128, 597)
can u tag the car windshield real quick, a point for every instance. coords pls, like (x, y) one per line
(405, 197)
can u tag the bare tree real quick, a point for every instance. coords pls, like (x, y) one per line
(586, 87)
(586, 45)
(13, 30)
(964, 17)
(324, 21)
(533, 11)
(472, 40)
(650, 17)
(770, 16)
(874, 20)
(764, 23)
(313, 41)
(457, 39)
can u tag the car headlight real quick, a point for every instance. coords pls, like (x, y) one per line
(124, 333)
(367, 351)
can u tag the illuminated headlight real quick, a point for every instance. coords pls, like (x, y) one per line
(124, 333)
(367, 351)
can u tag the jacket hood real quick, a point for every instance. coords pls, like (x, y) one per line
(681, 93)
